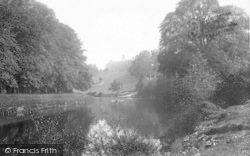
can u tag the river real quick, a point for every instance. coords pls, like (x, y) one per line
(150, 117)
(141, 113)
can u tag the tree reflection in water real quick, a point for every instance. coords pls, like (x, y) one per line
(68, 128)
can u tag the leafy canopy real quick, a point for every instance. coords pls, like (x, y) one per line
(37, 52)
(176, 48)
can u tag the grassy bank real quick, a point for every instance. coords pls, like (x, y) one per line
(127, 80)
(15, 107)
(12, 100)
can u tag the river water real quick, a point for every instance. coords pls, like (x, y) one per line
(151, 117)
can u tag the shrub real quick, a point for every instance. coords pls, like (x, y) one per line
(104, 139)
(232, 91)
(115, 86)
(100, 94)
(92, 94)
(200, 81)
(159, 87)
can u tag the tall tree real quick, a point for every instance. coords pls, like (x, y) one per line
(176, 43)
(9, 50)
(39, 53)
(220, 35)
(144, 64)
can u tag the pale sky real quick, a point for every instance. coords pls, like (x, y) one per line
(109, 29)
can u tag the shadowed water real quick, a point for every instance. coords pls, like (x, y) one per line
(149, 116)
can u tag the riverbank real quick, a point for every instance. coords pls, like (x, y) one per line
(29, 99)
(124, 94)
(15, 107)
(223, 132)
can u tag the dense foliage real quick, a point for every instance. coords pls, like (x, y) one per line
(144, 64)
(176, 47)
(37, 52)
(115, 86)
(105, 139)
(212, 67)
(200, 80)
(206, 64)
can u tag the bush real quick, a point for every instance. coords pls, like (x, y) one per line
(104, 139)
(115, 86)
(100, 94)
(235, 86)
(232, 91)
(160, 87)
(92, 94)
(200, 81)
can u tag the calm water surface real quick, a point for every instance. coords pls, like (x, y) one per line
(148, 115)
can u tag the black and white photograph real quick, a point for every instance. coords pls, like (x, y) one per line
(124, 78)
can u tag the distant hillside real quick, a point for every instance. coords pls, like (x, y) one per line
(117, 71)
(119, 65)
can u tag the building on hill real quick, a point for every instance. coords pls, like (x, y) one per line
(119, 65)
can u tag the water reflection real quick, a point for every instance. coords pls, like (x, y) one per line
(150, 116)
(68, 128)
(141, 113)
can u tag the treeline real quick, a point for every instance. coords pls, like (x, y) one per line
(196, 62)
(144, 64)
(198, 68)
(38, 54)
(207, 66)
